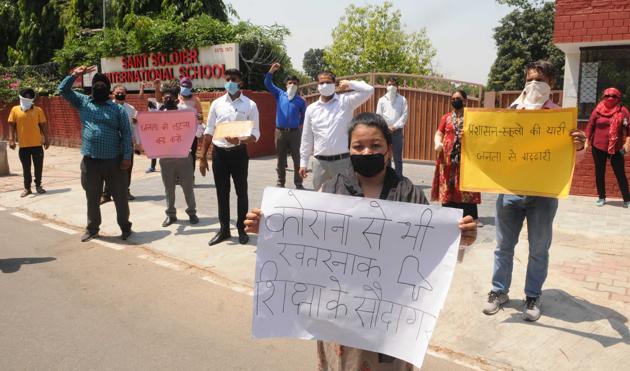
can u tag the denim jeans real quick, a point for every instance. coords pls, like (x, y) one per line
(511, 212)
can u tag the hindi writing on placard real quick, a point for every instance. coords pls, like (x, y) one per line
(367, 271)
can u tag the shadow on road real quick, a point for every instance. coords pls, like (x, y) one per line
(55, 191)
(563, 306)
(13, 265)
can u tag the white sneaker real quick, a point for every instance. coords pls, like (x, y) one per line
(531, 312)
(495, 302)
(600, 202)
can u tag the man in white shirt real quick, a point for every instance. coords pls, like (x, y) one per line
(325, 131)
(393, 107)
(229, 155)
(120, 94)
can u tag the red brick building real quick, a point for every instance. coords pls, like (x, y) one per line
(595, 36)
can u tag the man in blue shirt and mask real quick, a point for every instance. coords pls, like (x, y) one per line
(290, 109)
(106, 147)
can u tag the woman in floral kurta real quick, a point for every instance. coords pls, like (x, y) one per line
(448, 145)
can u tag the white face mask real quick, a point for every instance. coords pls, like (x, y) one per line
(391, 91)
(26, 103)
(536, 94)
(291, 91)
(326, 89)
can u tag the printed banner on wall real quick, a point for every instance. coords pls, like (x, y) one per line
(524, 152)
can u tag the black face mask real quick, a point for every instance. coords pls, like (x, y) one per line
(457, 104)
(120, 96)
(170, 104)
(368, 165)
(100, 94)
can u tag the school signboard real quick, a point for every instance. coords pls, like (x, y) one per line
(204, 66)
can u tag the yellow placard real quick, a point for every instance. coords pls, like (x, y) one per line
(235, 129)
(524, 152)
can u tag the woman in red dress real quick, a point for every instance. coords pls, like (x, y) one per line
(448, 145)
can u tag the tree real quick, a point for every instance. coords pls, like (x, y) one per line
(9, 29)
(371, 38)
(40, 32)
(183, 8)
(523, 36)
(313, 62)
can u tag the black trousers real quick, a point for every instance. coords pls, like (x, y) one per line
(288, 141)
(226, 163)
(469, 209)
(107, 193)
(36, 156)
(618, 164)
(93, 173)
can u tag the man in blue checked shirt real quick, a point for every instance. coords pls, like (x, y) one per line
(106, 149)
(290, 109)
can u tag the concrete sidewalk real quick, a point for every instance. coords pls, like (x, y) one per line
(586, 301)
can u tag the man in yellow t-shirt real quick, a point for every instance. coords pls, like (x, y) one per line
(28, 123)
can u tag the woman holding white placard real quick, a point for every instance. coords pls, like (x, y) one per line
(370, 145)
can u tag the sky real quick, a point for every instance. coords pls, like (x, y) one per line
(460, 30)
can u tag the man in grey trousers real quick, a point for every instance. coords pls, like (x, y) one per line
(176, 170)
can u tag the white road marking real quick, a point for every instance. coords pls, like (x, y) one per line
(24, 216)
(60, 228)
(161, 262)
(240, 290)
(112, 246)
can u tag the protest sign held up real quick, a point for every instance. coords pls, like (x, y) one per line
(371, 274)
(525, 152)
(167, 134)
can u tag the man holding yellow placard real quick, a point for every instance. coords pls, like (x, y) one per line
(528, 158)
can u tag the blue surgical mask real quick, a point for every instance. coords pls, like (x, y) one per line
(185, 92)
(231, 87)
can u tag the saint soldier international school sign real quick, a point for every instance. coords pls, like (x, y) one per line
(204, 66)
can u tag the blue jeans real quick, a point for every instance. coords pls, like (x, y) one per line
(397, 147)
(511, 211)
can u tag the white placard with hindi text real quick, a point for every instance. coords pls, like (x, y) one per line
(369, 274)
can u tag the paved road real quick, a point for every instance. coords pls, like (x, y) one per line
(67, 305)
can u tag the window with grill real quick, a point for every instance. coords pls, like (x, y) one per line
(602, 68)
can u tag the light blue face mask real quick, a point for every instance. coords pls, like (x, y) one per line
(231, 87)
(185, 92)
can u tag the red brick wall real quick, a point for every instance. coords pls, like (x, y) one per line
(65, 127)
(65, 130)
(584, 177)
(591, 20)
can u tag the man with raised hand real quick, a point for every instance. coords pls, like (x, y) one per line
(326, 123)
(106, 146)
(290, 108)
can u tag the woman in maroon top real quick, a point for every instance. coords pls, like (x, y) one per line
(607, 132)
